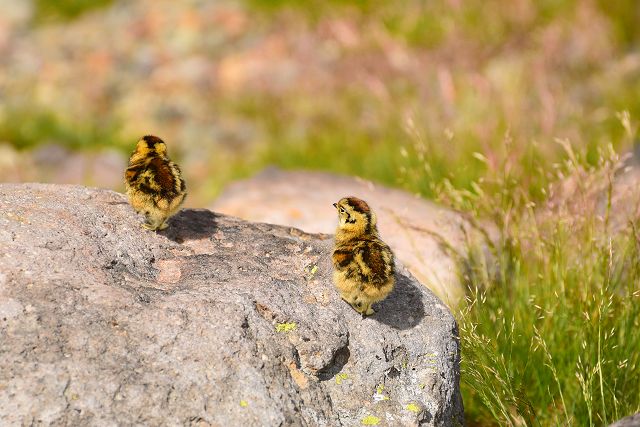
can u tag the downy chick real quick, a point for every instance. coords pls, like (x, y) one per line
(154, 183)
(363, 264)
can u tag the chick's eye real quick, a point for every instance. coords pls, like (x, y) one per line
(341, 210)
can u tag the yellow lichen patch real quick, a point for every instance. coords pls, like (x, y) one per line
(341, 376)
(286, 327)
(311, 271)
(379, 396)
(412, 407)
(431, 361)
(244, 403)
(370, 420)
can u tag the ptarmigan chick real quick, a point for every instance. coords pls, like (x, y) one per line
(154, 183)
(363, 264)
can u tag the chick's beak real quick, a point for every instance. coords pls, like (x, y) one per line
(335, 205)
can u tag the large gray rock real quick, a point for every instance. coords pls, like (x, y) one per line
(214, 321)
(429, 239)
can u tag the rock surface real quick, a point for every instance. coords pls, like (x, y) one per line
(424, 236)
(611, 193)
(214, 321)
(630, 421)
(625, 195)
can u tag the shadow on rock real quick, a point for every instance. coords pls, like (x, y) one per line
(403, 309)
(191, 224)
(339, 360)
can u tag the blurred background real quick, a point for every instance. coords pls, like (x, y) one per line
(357, 87)
(483, 105)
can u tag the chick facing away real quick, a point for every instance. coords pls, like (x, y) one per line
(363, 264)
(154, 183)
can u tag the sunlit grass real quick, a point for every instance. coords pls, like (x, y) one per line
(46, 10)
(557, 344)
(549, 332)
(27, 128)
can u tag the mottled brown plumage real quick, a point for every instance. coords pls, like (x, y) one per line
(154, 183)
(363, 264)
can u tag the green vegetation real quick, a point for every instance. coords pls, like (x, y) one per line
(27, 128)
(551, 338)
(65, 9)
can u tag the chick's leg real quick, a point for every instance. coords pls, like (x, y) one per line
(362, 305)
(363, 308)
(368, 311)
(350, 298)
(148, 226)
(155, 220)
(359, 306)
(162, 222)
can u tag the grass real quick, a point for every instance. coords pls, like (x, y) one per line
(550, 333)
(48, 10)
(26, 128)
(551, 338)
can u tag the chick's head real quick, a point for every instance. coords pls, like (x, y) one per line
(150, 146)
(355, 216)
